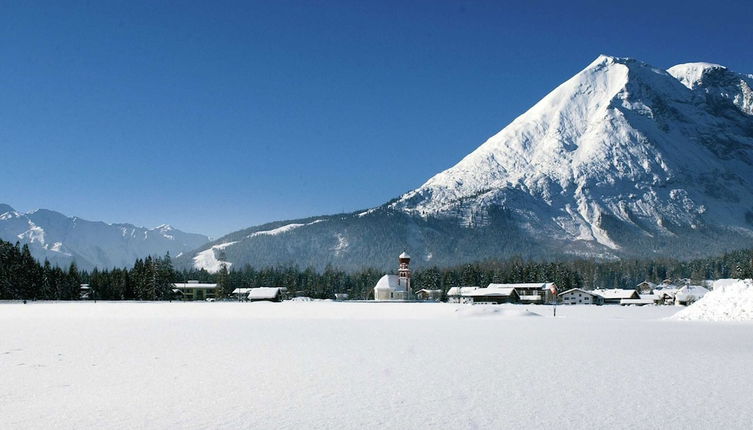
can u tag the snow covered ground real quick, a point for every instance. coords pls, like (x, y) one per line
(730, 300)
(367, 366)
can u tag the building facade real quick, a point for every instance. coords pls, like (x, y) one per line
(194, 290)
(576, 296)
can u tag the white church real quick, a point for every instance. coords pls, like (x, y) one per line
(395, 287)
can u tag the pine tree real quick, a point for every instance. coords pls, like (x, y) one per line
(222, 283)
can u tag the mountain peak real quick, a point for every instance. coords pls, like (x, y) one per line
(5, 208)
(611, 59)
(620, 160)
(717, 84)
(608, 60)
(691, 74)
(612, 145)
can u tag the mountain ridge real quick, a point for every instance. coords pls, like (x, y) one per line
(61, 239)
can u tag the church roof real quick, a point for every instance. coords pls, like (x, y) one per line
(389, 282)
(404, 255)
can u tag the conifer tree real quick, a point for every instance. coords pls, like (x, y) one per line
(222, 283)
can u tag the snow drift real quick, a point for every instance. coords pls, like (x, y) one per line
(730, 300)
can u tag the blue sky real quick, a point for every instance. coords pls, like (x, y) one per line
(215, 116)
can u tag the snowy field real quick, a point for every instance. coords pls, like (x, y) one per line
(327, 365)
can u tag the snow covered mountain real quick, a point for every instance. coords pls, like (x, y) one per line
(61, 239)
(623, 159)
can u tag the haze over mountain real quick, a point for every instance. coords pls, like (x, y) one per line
(61, 239)
(623, 159)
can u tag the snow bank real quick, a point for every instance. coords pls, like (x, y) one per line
(730, 300)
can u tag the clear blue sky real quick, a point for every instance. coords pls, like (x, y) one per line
(214, 116)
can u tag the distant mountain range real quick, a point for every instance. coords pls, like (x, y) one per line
(61, 239)
(624, 159)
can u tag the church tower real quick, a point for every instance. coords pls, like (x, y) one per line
(403, 273)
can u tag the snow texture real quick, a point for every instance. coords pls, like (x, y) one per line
(208, 259)
(263, 293)
(691, 74)
(324, 365)
(729, 300)
(279, 230)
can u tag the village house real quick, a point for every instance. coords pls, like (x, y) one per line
(576, 296)
(645, 287)
(194, 290)
(537, 292)
(666, 293)
(615, 295)
(460, 294)
(241, 293)
(643, 299)
(269, 294)
(429, 295)
(85, 292)
(493, 295)
(666, 296)
(689, 294)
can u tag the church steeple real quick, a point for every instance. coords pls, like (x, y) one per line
(403, 273)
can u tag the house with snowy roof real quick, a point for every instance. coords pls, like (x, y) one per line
(645, 287)
(268, 294)
(429, 295)
(85, 292)
(642, 300)
(493, 294)
(535, 292)
(194, 290)
(460, 294)
(577, 296)
(689, 294)
(613, 296)
(241, 293)
(666, 293)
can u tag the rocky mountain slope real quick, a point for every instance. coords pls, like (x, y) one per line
(623, 159)
(61, 239)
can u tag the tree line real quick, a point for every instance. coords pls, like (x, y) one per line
(151, 278)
